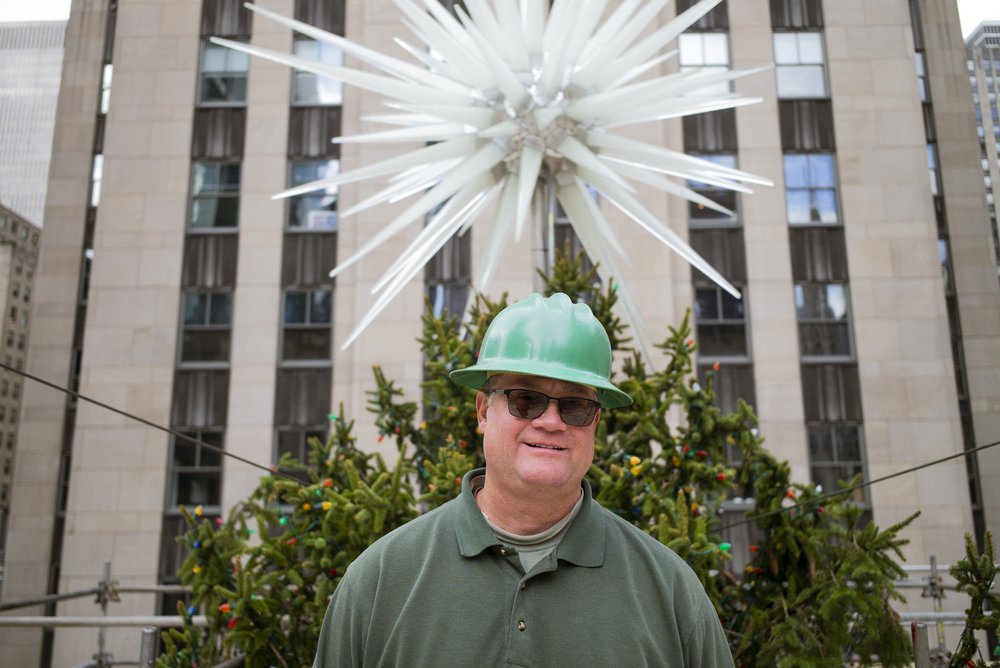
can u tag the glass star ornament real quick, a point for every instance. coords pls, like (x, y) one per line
(514, 101)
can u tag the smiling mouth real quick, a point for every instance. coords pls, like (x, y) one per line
(542, 446)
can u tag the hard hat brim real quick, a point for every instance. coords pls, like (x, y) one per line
(608, 395)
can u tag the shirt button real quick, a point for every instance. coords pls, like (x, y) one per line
(524, 586)
(504, 552)
(520, 625)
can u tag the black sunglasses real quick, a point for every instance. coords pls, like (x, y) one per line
(528, 405)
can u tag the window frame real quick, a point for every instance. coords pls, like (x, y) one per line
(721, 321)
(232, 74)
(172, 502)
(232, 192)
(799, 65)
(702, 62)
(206, 326)
(845, 322)
(812, 188)
(326, 54)
(319, 168)
(305, 326)
(716, 194)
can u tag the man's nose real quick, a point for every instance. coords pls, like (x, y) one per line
(551, 417)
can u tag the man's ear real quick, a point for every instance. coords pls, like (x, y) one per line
(482, 404)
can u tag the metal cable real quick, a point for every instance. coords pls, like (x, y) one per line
(172, 432)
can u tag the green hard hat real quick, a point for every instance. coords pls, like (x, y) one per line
(548, 337)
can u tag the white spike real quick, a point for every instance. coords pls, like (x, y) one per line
(418, 179)
(513, 90)
(528, 170)
(402, 119)
(436, 132)
(564, 51)
(582, 156)
(631, 207)
(428, 154)
(503, 218)
(667, 186)
(608, 29)
(639, 70)
(589, 73)
(373, 82)
(533, 23)
(450, 23)
(484, 160)
(460, 203)
(486, 23)
(403, 276)
(502, 129)
(655, 42)
(478, 117)
(438, 37)
(699, 167)
(383, 62)
(685, 106)
(573, 198)
(509, 17)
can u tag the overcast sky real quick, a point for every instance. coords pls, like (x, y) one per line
(971, 11)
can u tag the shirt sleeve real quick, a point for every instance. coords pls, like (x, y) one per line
(342, 636)
(707, 646)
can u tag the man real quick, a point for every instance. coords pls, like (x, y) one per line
(525, 568)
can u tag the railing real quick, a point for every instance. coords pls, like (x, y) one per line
(935, 586)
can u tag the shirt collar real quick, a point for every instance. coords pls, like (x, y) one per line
(583, 544)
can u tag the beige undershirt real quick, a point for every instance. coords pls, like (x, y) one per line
(535, 547)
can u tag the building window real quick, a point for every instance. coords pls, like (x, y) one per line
(316, 210)
(835, 456)
(312, 89)
(796, 14)
(447, 276)
(307, 318)
(932, 167)
(294, 441)
(811, 189)
(301, 407)
(730, 382)
(106, 77)
(207, 325)
(921, 61)
(223, 75)
(822, 313)
(97, 177)
(215, 195)
(720, 323)
(799, 71)
(700, 215)
(197, 470)
(832, 405)
(705, 51)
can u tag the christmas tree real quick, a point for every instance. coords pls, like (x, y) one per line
(816, 588)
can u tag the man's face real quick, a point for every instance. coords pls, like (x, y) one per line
(541, 453)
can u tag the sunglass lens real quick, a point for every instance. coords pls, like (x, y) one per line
(526, 404)
(577, 412)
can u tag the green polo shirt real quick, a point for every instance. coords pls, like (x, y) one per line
(444, 591)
